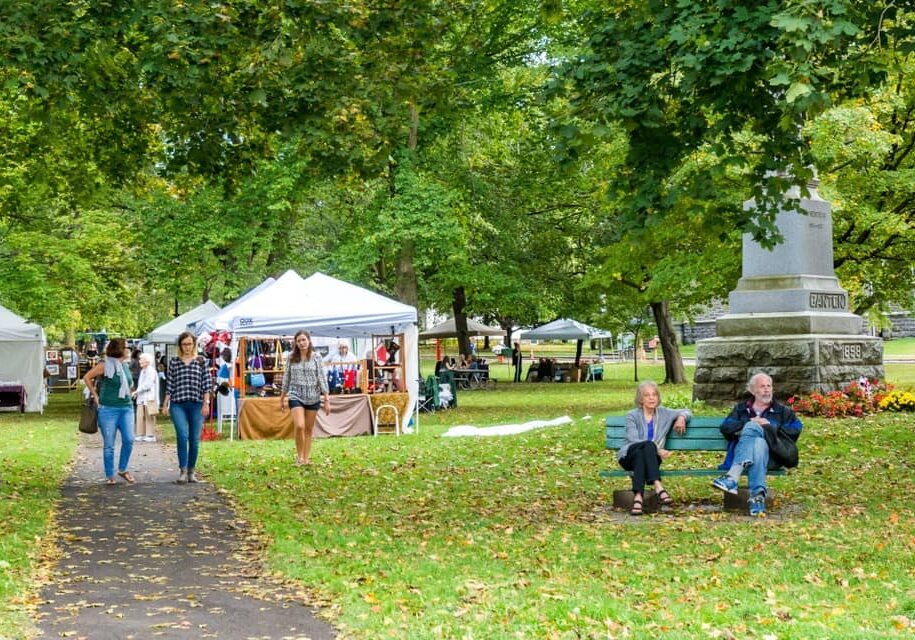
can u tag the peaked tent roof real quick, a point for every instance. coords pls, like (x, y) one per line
(447, 329)
(170, 331)
(15, 327)
(321, 304)
(218, 321)
(566, 329)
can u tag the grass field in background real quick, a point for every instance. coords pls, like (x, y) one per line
(511, 537)
(430, 537)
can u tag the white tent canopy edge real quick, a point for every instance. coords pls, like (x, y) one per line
(22, 347)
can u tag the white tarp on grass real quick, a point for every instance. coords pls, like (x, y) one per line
(504, 429)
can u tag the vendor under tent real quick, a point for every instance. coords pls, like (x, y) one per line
(329, 308)
(566, 329)
(22, 362)
(168, 333)
(447, 329)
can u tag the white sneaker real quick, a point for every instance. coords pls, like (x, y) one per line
(192, 477)
(182, 477)
(150, 438)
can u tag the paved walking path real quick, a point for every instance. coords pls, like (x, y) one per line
(160, 560)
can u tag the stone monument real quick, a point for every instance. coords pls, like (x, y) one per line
(788, 316)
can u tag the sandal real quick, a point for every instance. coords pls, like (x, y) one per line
(110, 481)
(665, 498)
(127, 476)
(636, 506)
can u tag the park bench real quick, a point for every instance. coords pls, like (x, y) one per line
(702, 434)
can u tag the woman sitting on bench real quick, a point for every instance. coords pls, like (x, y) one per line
(647, 427)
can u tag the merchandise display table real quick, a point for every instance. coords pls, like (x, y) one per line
(262, 419)
(13, 395)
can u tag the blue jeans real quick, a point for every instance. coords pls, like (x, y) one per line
(752, 447)
(110, 421)
(188, 424)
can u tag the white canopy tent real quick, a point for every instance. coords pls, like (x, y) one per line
(220, 321)
(448, 329)
(567, 329)
(169, 332)
(326, 307)
(22, 347)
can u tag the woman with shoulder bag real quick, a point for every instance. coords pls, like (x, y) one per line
(115, 407)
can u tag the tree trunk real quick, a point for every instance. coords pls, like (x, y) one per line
(405, 287)
(673, 362)
(458, 302)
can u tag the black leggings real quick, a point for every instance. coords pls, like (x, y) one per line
(643, 461)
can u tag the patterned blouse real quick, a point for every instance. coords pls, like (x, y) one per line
(188, 382)
(305, 380)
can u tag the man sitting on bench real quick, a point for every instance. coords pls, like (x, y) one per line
(745, 426)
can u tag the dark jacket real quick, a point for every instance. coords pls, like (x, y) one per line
(777, 414)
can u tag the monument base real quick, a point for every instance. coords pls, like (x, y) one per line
(798, 364)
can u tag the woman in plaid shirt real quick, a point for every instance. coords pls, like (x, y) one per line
(187, 401)
(305, 384)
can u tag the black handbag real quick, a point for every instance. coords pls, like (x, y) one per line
(782, 447)
(88, 417)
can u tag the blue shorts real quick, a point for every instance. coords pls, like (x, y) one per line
(293, 403)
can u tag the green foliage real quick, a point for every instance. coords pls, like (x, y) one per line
(862, 149)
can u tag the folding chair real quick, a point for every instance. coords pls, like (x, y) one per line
(427, 399)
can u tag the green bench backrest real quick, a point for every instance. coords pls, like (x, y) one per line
(702, 434)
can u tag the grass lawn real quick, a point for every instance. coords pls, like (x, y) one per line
(35, 452)
(432, 537)
(511, 537)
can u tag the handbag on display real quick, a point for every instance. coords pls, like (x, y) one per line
(88, 417)
(257, 378)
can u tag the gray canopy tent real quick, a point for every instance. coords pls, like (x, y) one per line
(566, 329)
(447, 330)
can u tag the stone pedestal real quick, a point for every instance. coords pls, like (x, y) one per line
(798, 364)
(788, 317)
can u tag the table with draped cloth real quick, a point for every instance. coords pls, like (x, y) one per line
(13, 396)
(262, 419)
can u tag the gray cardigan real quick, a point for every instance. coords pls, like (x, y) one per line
(637, 428)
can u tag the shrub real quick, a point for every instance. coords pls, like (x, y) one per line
(898, 401)
(857, 398)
